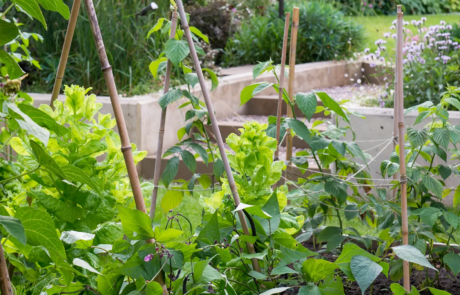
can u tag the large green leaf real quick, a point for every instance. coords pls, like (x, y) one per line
(332, 286)
(55, 5)
(14, 227)
(261, 68)
(80, 239)
(434, 185)
(136, 224)
(171, 169)
(329, 103)
(176, 50)
(349, 251)
(300, 129)
(442, 136)
(210, 233)
(60, 209)
(75, 174)
(272, 208)
(275, 291)
(197, 32)
(40, 231)
(155, 65)
(356, 151)
(412, 254)
(310, 289)
(8, 31)
(45, 160)
(307, 103)
(189, 160)
(157, 26)
(153, 288)
(43, 119)
(170, 97)
(28, 124)
(85, 265)
(200, 151)
(213, 76)
(318, 269)
(109, 284)
(12, 67)
(435, 291)
(453, 261)
(365, 271)
(171, 200)
(416, 137)
(249, 91)
(32, 8)
(337, 189)
(329, 232)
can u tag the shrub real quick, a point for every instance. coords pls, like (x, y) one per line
(431, 63)
(323, 34)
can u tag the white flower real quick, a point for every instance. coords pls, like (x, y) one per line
(443, 23)
(366, 50)
(359, 81)
(362, 69)
(393, 36)
(392, 28)
(423, 19)
(346, 75)
(406, 23)
(386, 35)
(413, 22)
(449, 27)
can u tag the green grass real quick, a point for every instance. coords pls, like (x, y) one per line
(376, 26)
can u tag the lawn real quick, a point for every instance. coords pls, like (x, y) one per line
(376, 26)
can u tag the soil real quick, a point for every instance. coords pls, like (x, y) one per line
(447, 281)
(358, 94)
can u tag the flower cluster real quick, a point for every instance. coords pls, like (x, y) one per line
(162, 252)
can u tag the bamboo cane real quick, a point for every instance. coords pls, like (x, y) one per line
(395, 119)
(124, 137)
(402, 160)
(292, 48)
(65, 51)
(157, 173)
(281, 83)
(215, 128)
(5, 283)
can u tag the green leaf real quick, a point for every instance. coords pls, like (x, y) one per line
(213, 76)
(189, 160)
(12, 67)
(154, 66)
(310, 289)
(452, 219)
(40, 231)
(348, 252)
(32, 8)
(328, 232)
(444, 171)
(197, 32)
(210, 233)
(456, 201)
(170, 170)
(272, 208)
(434, 185)
(108, 284)
(453, 101)
(14, 227)
(275, 291)
(337, 189)
(45, 160)
(397, 289)
(416, 137)
(176, 50)
(318, 269)
(200, 151)
(43, 119)
(365, 271)
(429, 215)
(191, 79)
(249, 91)
(55, 5)
(438, 292)
(261, 68)
(356, 151)
(412, 254)
(218, 168)
(170, 97)
(281, 270)
(332, 286)
(171, 200)
(442, 136)
(8, 32)
(157, 26)
(136, 224)
(75, 174)
(422, 116)
(351, 211)
(453, 261)
(26, 123)
(253, 209)
(164, 236)
(329, 103)
(307, 103)
(81, 239)
(300, 129)
(85, 265)
(153, 288)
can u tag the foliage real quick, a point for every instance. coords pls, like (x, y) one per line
(323, 33)
(431, 64)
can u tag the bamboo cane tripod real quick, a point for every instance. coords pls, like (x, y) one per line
(112, 88)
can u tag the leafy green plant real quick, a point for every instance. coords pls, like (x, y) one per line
(323, 30)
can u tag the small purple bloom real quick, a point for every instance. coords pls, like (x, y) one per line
(386, 35)
(148, 257)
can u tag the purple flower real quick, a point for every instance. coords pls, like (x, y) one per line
(449, 27)
(382, 59)
(423, 19)
(381, 102)
(436, 58)
(443, 23)
(386, 35)
(392, 28)
(393, 36)
(405, 61)
(380, 41)
(445, 58)
(421, 60)
(405, 23)
(413, 22)
(366, 50)
(372, 65)
(148, 257)
(370, 5)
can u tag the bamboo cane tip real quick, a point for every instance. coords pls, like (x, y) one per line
(399, 8)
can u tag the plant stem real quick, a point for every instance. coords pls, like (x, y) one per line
(21, 175)
(413, 163)
(317, 162)
(7, 10)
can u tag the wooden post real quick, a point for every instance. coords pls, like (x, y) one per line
(395, 115)
(402, 158)
(5, 283)
(157, 173)
(292, 48)
(281, 85)
(124, 137)
(215, 128)
(65, 51)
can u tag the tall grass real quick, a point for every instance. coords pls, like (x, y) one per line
(124, 35)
